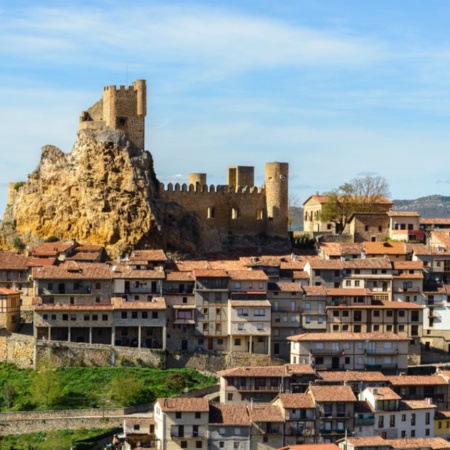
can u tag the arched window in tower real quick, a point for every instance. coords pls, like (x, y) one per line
(211, 212)
(234, 213)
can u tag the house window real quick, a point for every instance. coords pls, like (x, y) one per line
(237, 342)
(178, 415)
(198, 444)
(183, 444)
(136, 427)
(104, 317)
(260, 327)
(73, 317)
(144, 314)
(154, 314)
(124, 315)
(65, 317)
(86, 317)
(134, 315)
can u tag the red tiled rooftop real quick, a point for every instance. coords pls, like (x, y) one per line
(220, 414)
(178, 404)
(346, 336)
(321, 393)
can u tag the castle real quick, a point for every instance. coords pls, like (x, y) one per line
(239, 207)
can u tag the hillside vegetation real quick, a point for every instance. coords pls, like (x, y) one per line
(91, 387)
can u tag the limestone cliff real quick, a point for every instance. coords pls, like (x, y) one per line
(104, 191)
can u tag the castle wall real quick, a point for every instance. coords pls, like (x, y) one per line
(197, 179)
(223, 208)
(241, 176)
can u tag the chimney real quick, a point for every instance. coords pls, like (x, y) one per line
(375, 391)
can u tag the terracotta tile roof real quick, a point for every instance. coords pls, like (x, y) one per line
(408, 276)
(40, 262)
(179, 276)
(261, 261)
(157, 303)
(326, 264)
(353, 376)
(74, 271)
(178, 404)
(292, 265)
(314, 290)
(229, 264)
(300, 275)
(383, 393)
(229, 415)
(418, 249)
(285, 370)
(366, 441)
(311, 447)
(384, 248)
(368, 263)
(265, 413)
(346, 337)
(13, 261)
(435, 443)
(282, 286)
(331, 393)
(439, 415)
(250, 275)
(210, 273)
(148, 255)
(405, 405)
(403, 214)
(417, 380)
(190, 265)
(363, 407)
(297, 401)
(336, 249)
(5, 291)
(407, 265)
(52, 248)
(83, 256)
(129, 273)
(435, 220)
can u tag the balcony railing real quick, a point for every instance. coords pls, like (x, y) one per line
(188, 434)
(335, 431)
(365, 421)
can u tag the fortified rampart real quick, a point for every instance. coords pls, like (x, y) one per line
(236, 208)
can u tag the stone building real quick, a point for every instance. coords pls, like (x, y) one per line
(9, 309)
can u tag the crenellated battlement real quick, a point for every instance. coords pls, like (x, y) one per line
(120, 88)
(212, 189)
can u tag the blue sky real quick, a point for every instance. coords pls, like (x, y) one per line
(338, 89)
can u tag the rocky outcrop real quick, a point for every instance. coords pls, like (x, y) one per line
(104, 191)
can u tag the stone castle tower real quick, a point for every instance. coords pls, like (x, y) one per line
(122, 109)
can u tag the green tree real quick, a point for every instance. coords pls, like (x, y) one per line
(46, 385)
(126, 389)
(8, 394)
(357, 195)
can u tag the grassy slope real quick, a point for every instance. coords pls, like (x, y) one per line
(81, 386)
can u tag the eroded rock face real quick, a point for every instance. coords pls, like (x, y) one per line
(104, 192)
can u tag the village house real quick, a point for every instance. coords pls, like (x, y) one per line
(404, 226)
(418, 387)
(9, 309)
(396, 418)
(181, 423)
(386, 352)
(263, 384)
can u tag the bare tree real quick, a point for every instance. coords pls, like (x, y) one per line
(357, 195)
(293, 207)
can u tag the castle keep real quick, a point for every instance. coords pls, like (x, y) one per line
(120, 109)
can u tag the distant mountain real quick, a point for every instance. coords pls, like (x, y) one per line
(431, 206)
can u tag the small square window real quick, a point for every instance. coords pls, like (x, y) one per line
(178, 415)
